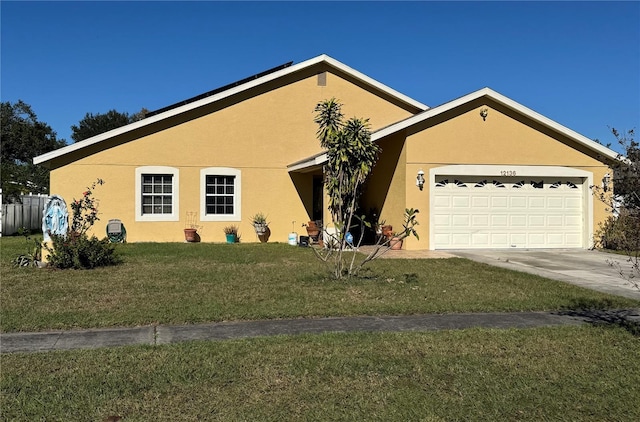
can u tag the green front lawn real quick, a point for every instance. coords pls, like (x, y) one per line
(191, 283)
(581, 373)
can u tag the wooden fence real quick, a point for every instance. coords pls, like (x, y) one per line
(27, 215)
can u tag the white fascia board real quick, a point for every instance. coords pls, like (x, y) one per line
(372, 82)
(227, 93)
(309, 162)
(489, 93)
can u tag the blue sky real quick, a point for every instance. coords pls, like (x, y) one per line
(577, 63)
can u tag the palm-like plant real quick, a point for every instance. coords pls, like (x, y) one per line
(351, 156)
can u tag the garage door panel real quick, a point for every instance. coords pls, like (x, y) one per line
(463, 239)
(461, 220)
(555, 202)
(536, 240)
(499, 220)
(501, 239)
(536, 202)
(460, 201)
(442, 220)
(573, 203)
(518, 202)
(518, 220)
(489, 212)
(499, 202)
(444, 240)
(573, 220)
(442, 201)
(574, 239)
(517, 240)
(480, 202)
(480, 220)
(556, 239)
(480, 240)
(555, 220)
(538, 221)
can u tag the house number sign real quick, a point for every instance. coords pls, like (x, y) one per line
(507, 173)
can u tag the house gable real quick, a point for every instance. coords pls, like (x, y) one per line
(176, 115)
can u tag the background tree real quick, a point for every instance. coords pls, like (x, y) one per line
(95, 124)
(24, 137)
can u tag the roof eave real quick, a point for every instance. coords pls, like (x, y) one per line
(232, 91)
(308, 163)
(499, 98)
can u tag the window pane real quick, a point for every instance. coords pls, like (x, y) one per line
(219, 194)
(157, 190)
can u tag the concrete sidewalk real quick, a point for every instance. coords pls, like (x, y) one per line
(161, 334)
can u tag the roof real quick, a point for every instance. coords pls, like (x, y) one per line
(232, 89)
(218, 90)
(320, 158)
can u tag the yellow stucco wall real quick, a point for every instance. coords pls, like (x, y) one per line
(259, 135)
(503, 139)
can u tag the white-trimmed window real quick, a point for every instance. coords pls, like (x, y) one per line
(157, 193)
(220, 194)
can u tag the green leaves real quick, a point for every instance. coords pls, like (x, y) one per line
(24, 137)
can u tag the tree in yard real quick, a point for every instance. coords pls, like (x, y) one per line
(95, 124)
(24, 137)
(621, 230)
(351, 156)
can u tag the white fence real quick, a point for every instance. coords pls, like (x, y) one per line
(27, 215)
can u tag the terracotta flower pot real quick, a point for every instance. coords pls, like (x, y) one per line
(395, 243)
(190, 235)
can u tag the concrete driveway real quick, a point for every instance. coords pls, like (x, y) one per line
(584, 268)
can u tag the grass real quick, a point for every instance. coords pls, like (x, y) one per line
(192, 283)
(583, 373)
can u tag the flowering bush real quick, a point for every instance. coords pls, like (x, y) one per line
(85, 210)
(76, 249)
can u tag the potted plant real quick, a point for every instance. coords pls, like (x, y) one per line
(232, 233)
(191, 228)
(395, 242)
(387, 230)
(261, 226)
(313, 230)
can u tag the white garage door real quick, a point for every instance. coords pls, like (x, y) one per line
(507, 212)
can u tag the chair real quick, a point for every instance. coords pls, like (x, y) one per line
(116, 233)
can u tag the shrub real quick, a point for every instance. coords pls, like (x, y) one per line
(79, 251)
(621, 233)
(76, 249)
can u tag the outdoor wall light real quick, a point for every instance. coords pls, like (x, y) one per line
(484, 113)
(606, 180)
(420, 179)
